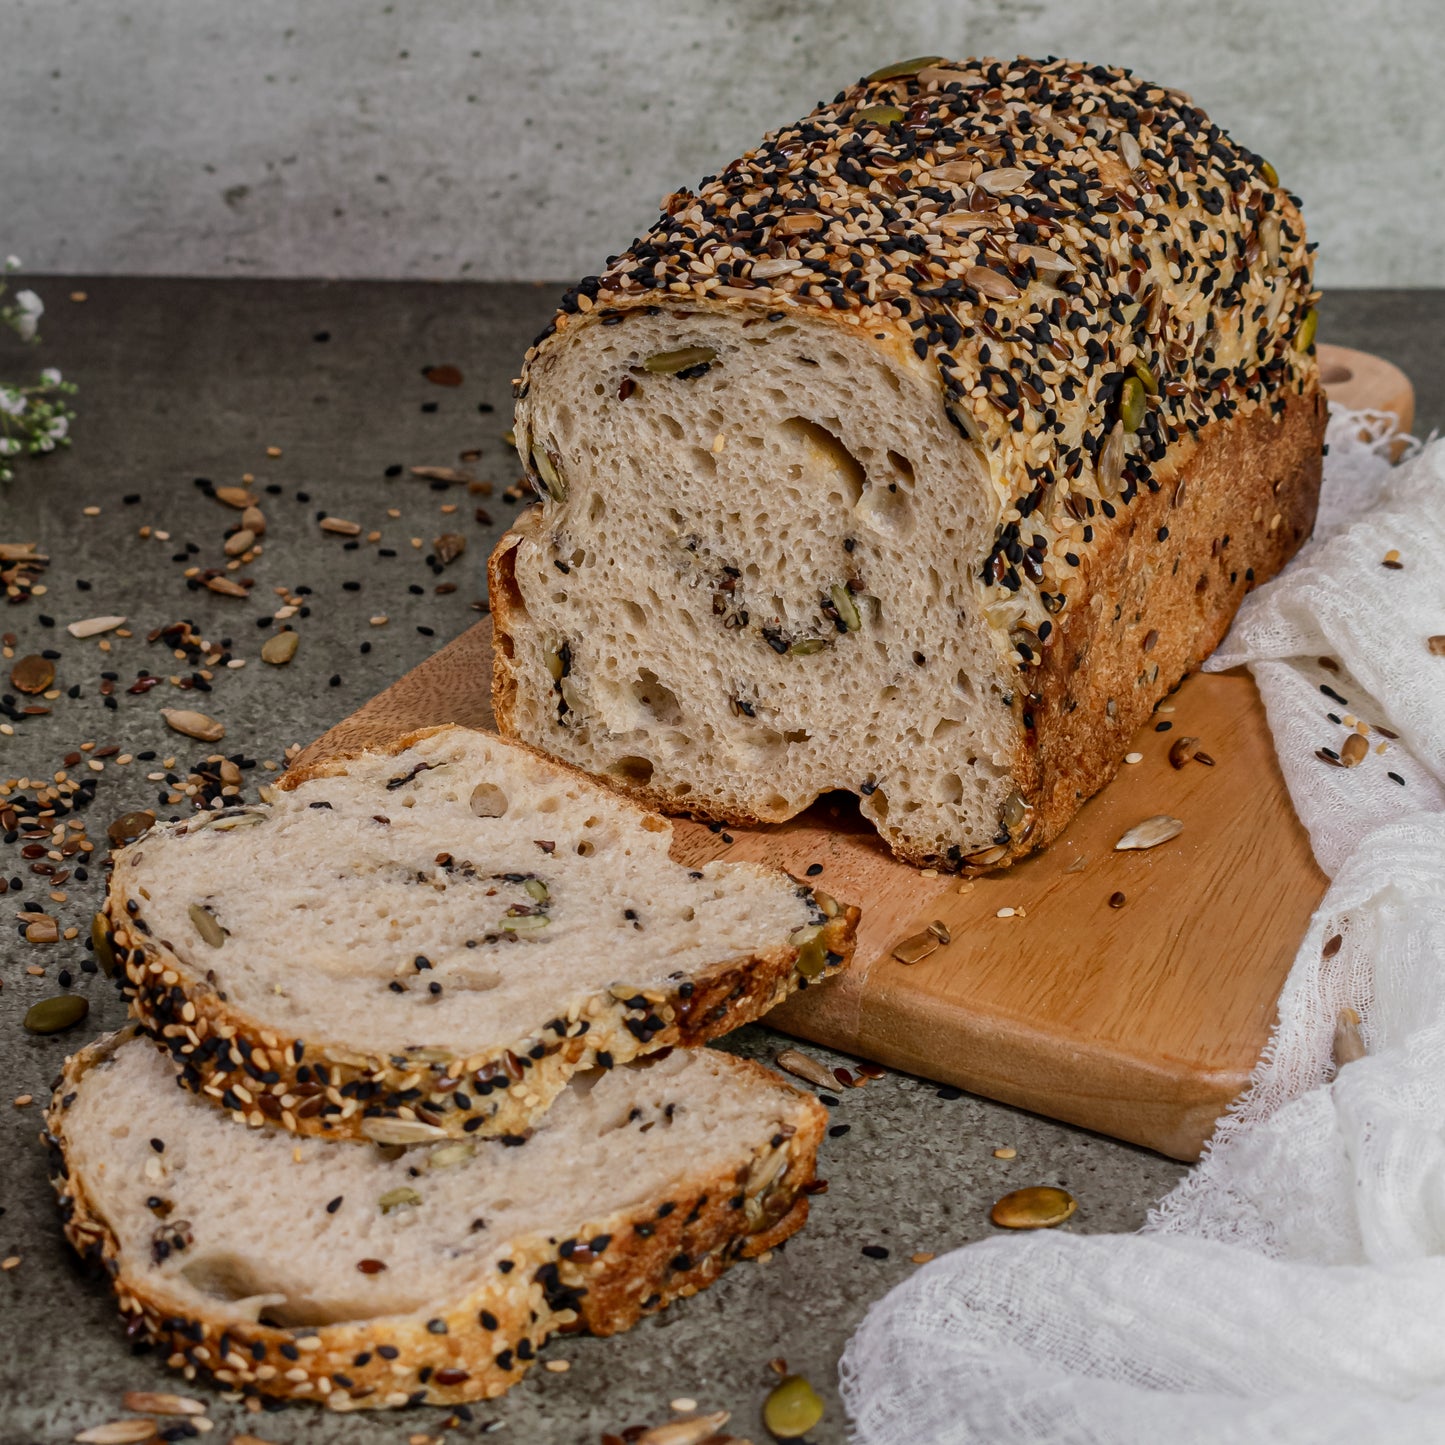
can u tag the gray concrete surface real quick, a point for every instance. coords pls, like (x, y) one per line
(187, 379)
(503, 139)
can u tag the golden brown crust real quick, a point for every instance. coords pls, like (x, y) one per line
(666, 1250)
(327, 1087)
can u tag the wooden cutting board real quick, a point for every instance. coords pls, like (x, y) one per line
(1141, 1020)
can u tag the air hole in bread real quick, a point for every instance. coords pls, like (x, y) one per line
(901, 464)
(658, 699)
(632, 769)
(488, 801)
(826, 459)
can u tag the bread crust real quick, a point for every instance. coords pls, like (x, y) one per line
(326, 1087)
(446, 1356)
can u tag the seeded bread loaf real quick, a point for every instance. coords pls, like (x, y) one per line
(433, 938)
(919, 453)
(368, 1277)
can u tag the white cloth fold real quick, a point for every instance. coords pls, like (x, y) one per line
(1292, 1287)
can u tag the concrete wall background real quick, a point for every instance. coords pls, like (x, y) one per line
(529, 138)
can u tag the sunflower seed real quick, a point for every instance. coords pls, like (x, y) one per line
(226, 588)
(118, 1432)
(939, 929)
(1046, 262)
(93, 626)
(401, 1131)
(148, 1402)
(916, 948)
(1039, 1207)
(1349, 1043)
(193, 724)
(1436, 645)
(1129, 150)
(986, 856)
(766, 269)
(684, 1432)
(1150, 833)
(804, 1066)
(442, 474)
(1003, 181)
(449, 546)
(340, 527)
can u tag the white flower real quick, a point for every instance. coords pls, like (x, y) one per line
(32, 308)
(50, 376)
(12, 263)
(57, 426)
(45, 444)
(12, 403)
(9, 447)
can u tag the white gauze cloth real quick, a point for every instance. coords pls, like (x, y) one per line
(1292, 1287)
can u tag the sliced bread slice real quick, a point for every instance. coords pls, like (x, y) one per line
(368, 1277)
(432, 939)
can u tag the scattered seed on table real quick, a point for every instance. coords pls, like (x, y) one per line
(1038, 1207)
(93, 626)
(1116, 900)
(1006, 1151)
(1133, 757)
(922, 1257)
(1150, 833)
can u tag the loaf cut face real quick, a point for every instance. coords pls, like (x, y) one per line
(432, 938)
(368, 1277)
(918, 453)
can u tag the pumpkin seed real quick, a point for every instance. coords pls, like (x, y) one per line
(402, 1197)
(916, 948)
(900, 68)
(551, 478)
(1269, 173)
(1129, 150)
(985, 857)
(669, 363)
(1146, 376)
(1131, 403)
(100, 941)
(280, 648)
(792, 1408)
(812, 956)
(1039, 1207)
(1354, 751)
(878, 115)
(204, 922)
(804, 1066)
(457, 1152)
(553, 659)
(401, 1131)
(528, 923)
(128, 827)
(845, 607)
(32, 674)
(1305, 336)
(193, 724)
(42, 930)
(55, 1015)
(1150, 833)
(807, 646)
(827, 903)
(537, 889)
